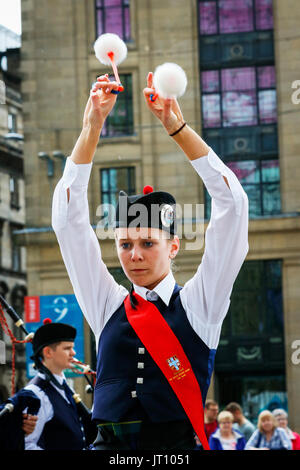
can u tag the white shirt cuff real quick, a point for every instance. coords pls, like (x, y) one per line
(211, 165)
(208, 166)
(76, 174)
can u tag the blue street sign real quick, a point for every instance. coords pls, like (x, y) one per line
(60, 309)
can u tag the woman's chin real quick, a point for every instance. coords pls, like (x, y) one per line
(138, 277)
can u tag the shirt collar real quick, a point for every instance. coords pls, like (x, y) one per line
(59, 378)
(164, 289)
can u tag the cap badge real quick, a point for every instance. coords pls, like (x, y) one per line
(167, 215)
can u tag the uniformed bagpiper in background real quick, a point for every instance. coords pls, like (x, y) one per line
(58, 426)
(156, 344)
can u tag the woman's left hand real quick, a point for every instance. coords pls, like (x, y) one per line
(29, 423)
(166, 110)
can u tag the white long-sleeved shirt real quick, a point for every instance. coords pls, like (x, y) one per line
(205, 297)
(45, 412)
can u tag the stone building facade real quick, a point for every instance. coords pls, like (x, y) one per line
(13, 286)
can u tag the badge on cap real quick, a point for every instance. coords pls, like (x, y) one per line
(167, 215)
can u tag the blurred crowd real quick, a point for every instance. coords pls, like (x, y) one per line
(229, 429)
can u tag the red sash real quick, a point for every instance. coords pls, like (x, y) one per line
(165, 349)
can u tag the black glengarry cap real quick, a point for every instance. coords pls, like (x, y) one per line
(51, 333)
(153, 209)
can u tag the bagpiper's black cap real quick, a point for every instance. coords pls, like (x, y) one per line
(51, 333)
(155, 209)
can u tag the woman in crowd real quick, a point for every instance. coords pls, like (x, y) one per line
(282, 420)
(226, 437)
(268, 436)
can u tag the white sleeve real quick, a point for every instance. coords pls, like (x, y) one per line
(206, 297)
(96, 291)
(44, 415)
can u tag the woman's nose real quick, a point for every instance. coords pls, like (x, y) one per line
(136, 254)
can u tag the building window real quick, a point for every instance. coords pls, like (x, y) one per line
(256, 307)
(261, 181)
(14, 192)
(254, 391)
(16, 262)
(120, 121)
(243, 96)
(234, 16)
(12, 123)
(238, 95)
(114, 180)
(113, 16)
(252, 341)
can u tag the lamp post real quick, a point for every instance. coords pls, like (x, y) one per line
(58, 154)
(50, 165)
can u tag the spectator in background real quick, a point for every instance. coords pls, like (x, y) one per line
(241, 423)
(225, 437)
(211, 411)
(282, 420)
(268, 436)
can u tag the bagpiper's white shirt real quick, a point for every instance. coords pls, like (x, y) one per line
(205, 297)
(45, 412)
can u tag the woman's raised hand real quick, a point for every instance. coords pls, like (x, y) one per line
(166, 110)
(100, 102)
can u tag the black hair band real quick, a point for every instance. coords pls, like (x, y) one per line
(178, 130)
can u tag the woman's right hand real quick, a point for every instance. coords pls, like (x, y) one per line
(100, 103)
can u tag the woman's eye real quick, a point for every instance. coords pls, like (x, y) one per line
(125, 245)
(148, 244)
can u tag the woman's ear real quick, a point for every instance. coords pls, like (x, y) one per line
(175, 245)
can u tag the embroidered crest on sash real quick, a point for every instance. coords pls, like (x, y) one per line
(174, 363)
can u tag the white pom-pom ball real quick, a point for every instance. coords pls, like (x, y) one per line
(107, 43)
(169, 80)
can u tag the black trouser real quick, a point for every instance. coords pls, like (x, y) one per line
(171, 436)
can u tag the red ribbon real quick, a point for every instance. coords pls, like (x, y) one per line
(165, 349)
